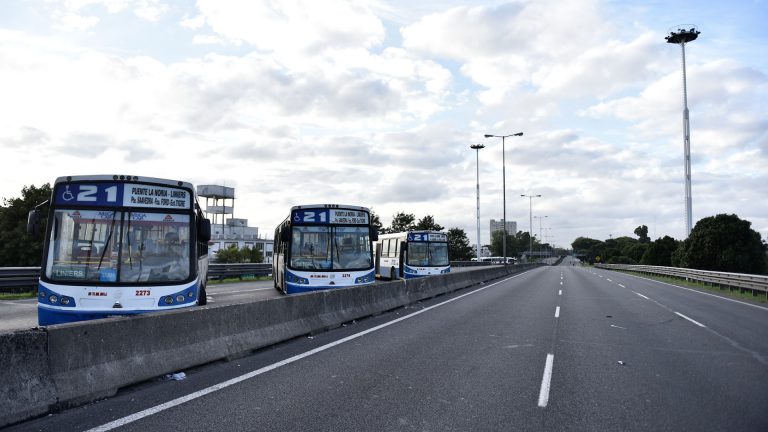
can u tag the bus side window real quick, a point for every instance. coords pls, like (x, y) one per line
(385, 248)
(393, 248)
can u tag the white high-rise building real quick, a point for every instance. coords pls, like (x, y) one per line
(499, 225)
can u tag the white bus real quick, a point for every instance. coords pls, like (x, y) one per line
(323, 246)
(412, 254)
(120, 245)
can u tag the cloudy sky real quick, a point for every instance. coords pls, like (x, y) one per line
(376, 103)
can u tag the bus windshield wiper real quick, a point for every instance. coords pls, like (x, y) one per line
(109, 238)
(128, 233)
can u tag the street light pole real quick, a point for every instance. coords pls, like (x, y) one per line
(681, 37)
(540, 218)
(504, 190)
(530, 221)
(477, 148)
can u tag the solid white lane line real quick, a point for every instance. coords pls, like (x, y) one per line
(545, 381)
(178, 401)
(557, 312)
(691, 320)
(641, 295)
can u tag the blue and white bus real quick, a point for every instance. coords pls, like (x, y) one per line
(412, 254)
(121, 245)
(323, 246)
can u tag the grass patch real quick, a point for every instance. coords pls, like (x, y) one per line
(724, 291)
(238, 280)
(17, 296)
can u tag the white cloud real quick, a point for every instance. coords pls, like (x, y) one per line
(297, 102)
(71, 22)
(151, 10)
(294, 26)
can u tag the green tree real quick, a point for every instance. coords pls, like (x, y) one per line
(659, 252)
(723, 243)
(376, 222)
(427, 223)
(401, 222)
(17, 248)
(229, 255)
(582, 245)
(253, 255)
(642, 233)
(513, 242)
(458, 245)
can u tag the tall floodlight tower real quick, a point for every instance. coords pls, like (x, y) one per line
(476, 148)
(685, 33)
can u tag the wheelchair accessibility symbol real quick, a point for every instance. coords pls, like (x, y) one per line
(67, 195)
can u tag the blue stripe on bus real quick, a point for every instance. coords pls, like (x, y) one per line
(48, 316)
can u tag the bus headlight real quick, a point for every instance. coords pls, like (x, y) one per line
(292, 278)
(65, 300)
(370, 277)
(180, 298)
(168, 299)
(53, 299)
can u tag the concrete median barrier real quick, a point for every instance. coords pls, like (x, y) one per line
(26, 388)
(70, 364)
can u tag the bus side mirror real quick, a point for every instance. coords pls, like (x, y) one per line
(374, 234)
(204, 231)
(285, 235)
(33, 222)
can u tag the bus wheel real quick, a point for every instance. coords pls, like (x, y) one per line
(392, 274)
(203, 299)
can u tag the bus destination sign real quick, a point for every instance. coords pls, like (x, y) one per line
(423, 237)
(122, 195)
(330, 216)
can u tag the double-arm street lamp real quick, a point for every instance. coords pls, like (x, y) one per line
(477, 148)
(504, 189)
(530, 221)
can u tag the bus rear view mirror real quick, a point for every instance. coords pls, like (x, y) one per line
(374, 235)
(33, 222)
(204, 231)
(285, 235)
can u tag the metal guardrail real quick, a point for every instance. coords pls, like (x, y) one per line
(19, 277)
(470, 263)
(224, 271)
(24, 279)
(754, 283)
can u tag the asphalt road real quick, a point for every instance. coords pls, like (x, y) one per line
(555, 348)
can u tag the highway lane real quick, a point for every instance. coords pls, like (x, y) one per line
(18, 314)
(676, 374)
(477, 360)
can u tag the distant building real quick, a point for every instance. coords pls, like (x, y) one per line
(499, 225)
(226, 230)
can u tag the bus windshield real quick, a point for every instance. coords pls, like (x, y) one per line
(330, 248)
(427, 254)
(438, 254)
(118, 246)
